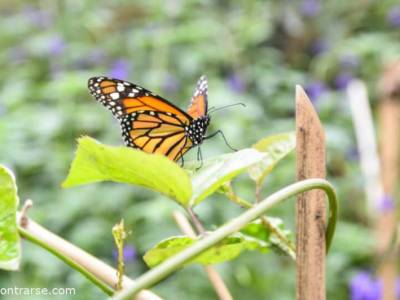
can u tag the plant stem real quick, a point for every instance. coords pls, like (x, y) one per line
(169, 266)
(30, 237)
(267, 224)
(94, 269)
(216, 280)
(197, 223)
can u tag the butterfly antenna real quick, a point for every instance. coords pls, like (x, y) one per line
(213, 109)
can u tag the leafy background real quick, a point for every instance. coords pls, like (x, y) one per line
(252, 51)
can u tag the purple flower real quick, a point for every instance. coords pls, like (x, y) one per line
(318, 47)
(17, 55)
(236, 83)
(37, 17)
(129, 254)
(352, 154)
(393, 16)
(398, 288)
(56, 46)
(363, 286)
(310, 8)
(349, 61)
(170, 84)
(342, 80)
(386, 203)
(119, 69)
(315, 89)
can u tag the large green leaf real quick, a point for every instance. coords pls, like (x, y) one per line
(10, 249)
(218, 170)
(228, 249)
(95, 162)
(275, 147)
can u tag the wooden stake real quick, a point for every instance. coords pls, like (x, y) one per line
(310, 206)
(389, 120)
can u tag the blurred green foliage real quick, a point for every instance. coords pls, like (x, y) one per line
(252, 51)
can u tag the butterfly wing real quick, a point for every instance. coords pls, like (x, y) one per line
(156, 132)
(199, 103)
(148, 121)
(122, 97)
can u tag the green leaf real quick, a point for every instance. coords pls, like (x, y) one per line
(258, 230)
(276, 147)
(95, 162)
(228, 249)
(10, 249)
(219, 170)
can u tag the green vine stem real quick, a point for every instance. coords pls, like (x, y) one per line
(169, 266)
(229, 192)
(98, 272)
(30, 237)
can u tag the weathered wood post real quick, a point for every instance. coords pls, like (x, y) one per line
(310, 206)
(389, 125)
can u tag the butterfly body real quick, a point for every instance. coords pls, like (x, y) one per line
(150, 122)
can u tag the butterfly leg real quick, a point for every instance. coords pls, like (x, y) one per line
(182, 160)
(199, 158)
(223, 136)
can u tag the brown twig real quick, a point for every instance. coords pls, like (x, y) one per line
(23, 220)
(216, 280)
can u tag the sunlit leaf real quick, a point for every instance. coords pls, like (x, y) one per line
(218, 170)
(227, 249)
(275, 147)
(95, 162)
(10, 250)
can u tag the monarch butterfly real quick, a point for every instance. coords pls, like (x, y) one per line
(150, 122)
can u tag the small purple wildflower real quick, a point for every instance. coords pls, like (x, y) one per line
(398, 288)
(393, 16)
(352, 154)
(363, 286)
(318, 46)
(386, 204)
(17, 55)
(56, 46)
(310, 8)
(349, 61)
(342, 80)
(170, 84)
(315, 89)
(129, 254)
(119, 69)
(37, 17)
(236, 83)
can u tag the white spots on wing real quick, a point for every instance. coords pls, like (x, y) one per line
(131, 95)
(112, 103)
(120, 88)
(152, 113)
(169, 114)
(114, 96)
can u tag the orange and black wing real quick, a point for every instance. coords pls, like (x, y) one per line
(199, 104)
(122, 98)
(148, 121)
(156, 132)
